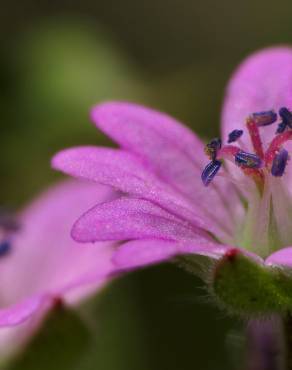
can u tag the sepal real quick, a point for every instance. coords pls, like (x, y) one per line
(244, 286)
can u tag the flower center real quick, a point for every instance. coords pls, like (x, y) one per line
(266, 224)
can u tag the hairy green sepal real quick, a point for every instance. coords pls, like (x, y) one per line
(245, 287)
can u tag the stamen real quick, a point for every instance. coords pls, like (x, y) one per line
(5, 247)
(253, 129)
(256, 175)
(228, 152)
(281, 127)
(264, 118)
(210, 172)
(249, 160)
(234, 135)
(276, 145)
(212, 148)
(279, 163)
(286, 116)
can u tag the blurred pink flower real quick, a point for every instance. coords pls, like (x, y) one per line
(40, 265)
(165, 210)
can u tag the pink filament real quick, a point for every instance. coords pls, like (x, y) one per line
(255, 137)
(228, 152)
(276, 145)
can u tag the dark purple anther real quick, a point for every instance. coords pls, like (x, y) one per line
(264, 118)
(5, 247)
(286, 116)
(249, 160)
(212, 148)
(210, 172)
(234, 135)
(281, 127)
(279, 163)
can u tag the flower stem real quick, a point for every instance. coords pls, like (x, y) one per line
(287, 321)
(266, 345)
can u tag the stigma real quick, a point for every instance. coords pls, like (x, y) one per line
(259, 162)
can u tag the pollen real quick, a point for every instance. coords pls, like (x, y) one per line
(211, 149)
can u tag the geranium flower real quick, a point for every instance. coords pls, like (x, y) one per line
(41, 266)
(233, 208)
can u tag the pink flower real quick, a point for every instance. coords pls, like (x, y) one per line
(41, 266)
(165, 210)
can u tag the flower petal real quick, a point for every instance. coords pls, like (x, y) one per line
(139, 253)
(172, 151)
(20, 312)
(44, 249)
(124, 172)
(262, 82)
(18, 322)
(282, 257)
(129, 218)
(153, 136)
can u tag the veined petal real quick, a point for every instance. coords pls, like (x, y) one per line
(164, 144)
(282, 257)
(262, 82)
(172, 151)
(128, 218)
(123, 171)
(141, 253)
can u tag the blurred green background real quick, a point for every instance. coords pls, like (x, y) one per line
(58, 58)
